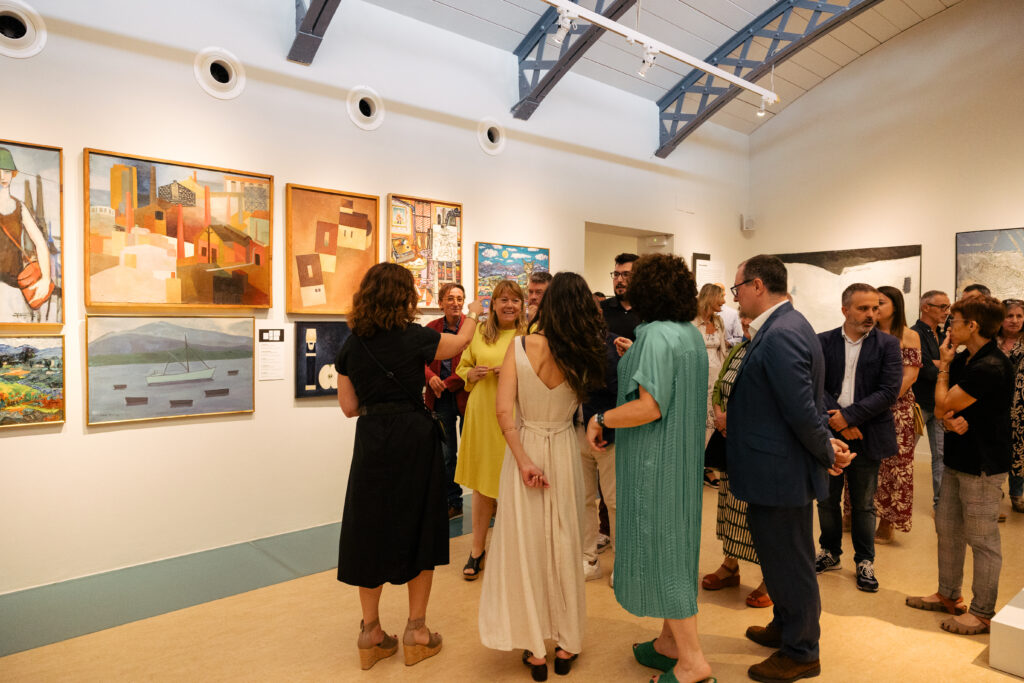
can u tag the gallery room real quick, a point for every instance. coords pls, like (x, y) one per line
(201, 186)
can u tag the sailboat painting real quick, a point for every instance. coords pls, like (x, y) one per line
(148, 368)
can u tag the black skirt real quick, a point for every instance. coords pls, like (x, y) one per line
(395, 523)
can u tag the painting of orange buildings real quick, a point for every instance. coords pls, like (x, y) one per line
(167, 234)
(332, 240)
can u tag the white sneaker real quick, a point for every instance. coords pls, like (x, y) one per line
(592, 571)
(603, 541)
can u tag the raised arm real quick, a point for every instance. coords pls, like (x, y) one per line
(452, 344)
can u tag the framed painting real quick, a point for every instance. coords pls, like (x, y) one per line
(316, 348)
(31, 380)
(31, 234)
(497, 262)
(163, 234)
(817, 278)
(425, 236)
(145, 368)
(331, 242)
(994, 258)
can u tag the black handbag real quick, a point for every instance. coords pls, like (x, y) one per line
(416, 401)
(714, 452)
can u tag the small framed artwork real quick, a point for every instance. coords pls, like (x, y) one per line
(316, 348)
(31, 234)
(165, 234)
(331, 243)
(147, 368)
(497, 262)
(994, 258)
(425, 236)
(31, 380)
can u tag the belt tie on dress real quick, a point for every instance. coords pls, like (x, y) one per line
(548, 430)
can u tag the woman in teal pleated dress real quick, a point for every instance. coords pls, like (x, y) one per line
(659, 461)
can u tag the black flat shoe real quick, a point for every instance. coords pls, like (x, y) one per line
(563, 664)
(474, 564)
(539, 672)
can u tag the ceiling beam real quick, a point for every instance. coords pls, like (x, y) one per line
(698, 95)
(537, 75)
(310, 26)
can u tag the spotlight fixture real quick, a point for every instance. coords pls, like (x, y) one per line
(565, 25)
(762, 111)
(650, 52)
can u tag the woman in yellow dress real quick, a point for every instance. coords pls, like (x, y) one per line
(483, 447)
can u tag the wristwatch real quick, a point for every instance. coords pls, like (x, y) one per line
(600, 418)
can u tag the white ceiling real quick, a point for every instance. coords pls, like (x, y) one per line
(697, 27)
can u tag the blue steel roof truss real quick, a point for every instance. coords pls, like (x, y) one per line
(699, 95)
(539, 72)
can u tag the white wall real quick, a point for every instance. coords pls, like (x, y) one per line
(915, 141)
(76, 500)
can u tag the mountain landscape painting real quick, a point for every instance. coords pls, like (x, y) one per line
(497, 262)
(31, 380)
(143, 368)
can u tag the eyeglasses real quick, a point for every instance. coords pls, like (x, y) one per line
(955, 321)
(735, 289)
(1012, 302)
(624, 274)
(941, 307)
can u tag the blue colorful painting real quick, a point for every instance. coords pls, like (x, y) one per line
(497, 262)
(316, 348)
(143, 368)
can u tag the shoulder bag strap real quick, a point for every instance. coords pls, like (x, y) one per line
(390, 375)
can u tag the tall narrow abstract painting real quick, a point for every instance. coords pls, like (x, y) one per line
(316, 348)
(497, 262)
(425, 236)
(166, 234)
(142, 368)
(31, 380)
(31, 234)
(817, 278)
(331, 243)
(994, 258)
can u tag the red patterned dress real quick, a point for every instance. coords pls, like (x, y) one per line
(894, 498)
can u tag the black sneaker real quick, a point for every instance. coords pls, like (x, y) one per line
(825, 562)
(866, 580)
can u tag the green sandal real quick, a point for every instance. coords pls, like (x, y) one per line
(649, 657)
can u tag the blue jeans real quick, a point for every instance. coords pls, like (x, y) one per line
(863, 477)
(448, 410)
(936, 435)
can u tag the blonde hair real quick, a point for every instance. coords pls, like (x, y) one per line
(706, 299)
(509, 288)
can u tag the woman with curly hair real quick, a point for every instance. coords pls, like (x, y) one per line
(659, 457)
(533, 590)
(482, 446)
(395, 525)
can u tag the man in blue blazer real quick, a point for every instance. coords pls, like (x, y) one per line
(780, 453)
(863, 373)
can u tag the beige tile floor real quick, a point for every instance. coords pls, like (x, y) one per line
(305, 630)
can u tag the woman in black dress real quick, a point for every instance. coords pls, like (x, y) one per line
(395, 525)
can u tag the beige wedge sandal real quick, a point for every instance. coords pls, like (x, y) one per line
(417, 652)
(370, 653)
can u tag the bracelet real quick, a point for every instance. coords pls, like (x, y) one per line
(943, 372)
(600, 418)
(474, 317)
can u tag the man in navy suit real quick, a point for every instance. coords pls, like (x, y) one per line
(780, 454)
(863, 373)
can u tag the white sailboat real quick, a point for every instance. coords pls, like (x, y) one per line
(188, 375)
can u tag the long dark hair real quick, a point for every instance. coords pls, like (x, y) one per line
(386, 300)
(899, 312)
(571, 321)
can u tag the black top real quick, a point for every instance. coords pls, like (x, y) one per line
(403, 352)
(924, 386)
(985, 446)
(603, 399)
(620, 322)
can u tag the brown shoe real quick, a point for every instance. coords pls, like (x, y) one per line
(768, 636)
(779, 669)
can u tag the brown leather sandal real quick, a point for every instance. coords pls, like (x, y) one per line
(759, 599)
(712, 582)
(954, 626)
(944, 604)
(417, 652)
(369, 652)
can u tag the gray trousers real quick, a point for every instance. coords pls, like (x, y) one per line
(936, 435)
(968, 513)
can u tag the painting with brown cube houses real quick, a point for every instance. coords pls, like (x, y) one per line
(331, 243)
